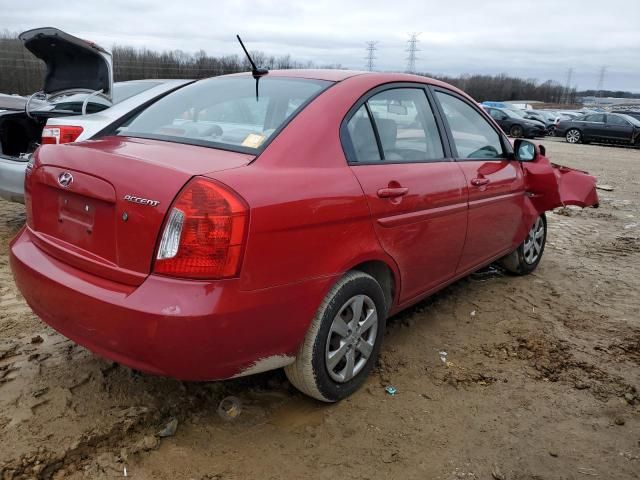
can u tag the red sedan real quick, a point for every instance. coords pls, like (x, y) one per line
(232, 227)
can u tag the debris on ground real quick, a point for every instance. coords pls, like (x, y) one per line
(170, 428)
(391, 390)
(229, 408)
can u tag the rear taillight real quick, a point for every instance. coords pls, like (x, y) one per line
(204, 233)
(60, 134)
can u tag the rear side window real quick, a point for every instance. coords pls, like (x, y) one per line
(615, 120)
(395, 126)
(473, 135)
(406, 125)
(224, 112)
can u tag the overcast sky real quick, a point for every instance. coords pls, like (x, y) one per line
(458, 36)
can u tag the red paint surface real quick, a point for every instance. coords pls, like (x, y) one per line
(87, 272)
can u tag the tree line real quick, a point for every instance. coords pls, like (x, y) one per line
(22, 73)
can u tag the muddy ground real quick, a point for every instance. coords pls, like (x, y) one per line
(541, 379)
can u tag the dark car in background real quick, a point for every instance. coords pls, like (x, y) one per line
(547, 118)
(601, 127)
(515, 124)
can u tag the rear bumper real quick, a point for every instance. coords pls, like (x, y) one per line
(12, 179)
(191, 330)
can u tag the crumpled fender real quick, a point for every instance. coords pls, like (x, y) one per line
(549, 186)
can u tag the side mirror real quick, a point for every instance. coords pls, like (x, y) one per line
(525, 151)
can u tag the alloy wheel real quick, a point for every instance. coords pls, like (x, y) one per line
(573, 136)
(533, 244)
(351, 338)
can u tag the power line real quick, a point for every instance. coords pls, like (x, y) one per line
(412, 48)
(371, 56)
(567, 88)
(600, 81)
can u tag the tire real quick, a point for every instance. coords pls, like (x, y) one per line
(516, 131)
(573, 135)
(525, 259)
(332, 330)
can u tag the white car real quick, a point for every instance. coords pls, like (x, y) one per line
(78, 99)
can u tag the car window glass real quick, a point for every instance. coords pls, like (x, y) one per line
(594, 118)
(615, 120)
(224, 112)
(362, 137)
(124, 90)
(406, 125)
(473, 136)
(497, 114)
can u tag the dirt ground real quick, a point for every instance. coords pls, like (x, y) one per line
(541, 379)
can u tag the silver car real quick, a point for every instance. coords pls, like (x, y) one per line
(77, 101)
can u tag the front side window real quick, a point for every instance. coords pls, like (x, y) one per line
(473, 136)
(225, 112)
(597, 118)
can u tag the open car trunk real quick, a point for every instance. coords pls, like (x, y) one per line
(72, 65)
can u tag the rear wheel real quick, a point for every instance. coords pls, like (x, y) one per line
(516, 131)
(343, 342)
(527, 256)
(573, 135)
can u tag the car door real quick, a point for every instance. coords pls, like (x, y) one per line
(501, 119)
(415, 192)
(593, 126)
(618, 129)
(493, 178)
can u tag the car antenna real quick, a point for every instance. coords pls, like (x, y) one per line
(257, 72)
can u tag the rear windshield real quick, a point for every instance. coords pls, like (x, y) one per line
(225, 112)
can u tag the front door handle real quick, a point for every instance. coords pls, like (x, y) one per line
(479, 182)
(391, 192)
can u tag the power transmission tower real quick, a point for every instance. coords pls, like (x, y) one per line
(412, 48)
(371, 54)
(567, 88)
(600, 82)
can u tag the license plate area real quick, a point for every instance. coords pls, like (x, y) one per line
(76, 213)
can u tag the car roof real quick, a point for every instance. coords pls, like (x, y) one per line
(334, 75)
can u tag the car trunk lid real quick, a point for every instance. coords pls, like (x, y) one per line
(100, 206)
(72, 64)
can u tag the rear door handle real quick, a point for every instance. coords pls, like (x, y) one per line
(392, 192)
(479, 182)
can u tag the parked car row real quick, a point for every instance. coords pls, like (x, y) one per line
(262, 220)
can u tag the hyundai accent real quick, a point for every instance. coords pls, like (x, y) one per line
(251, 222)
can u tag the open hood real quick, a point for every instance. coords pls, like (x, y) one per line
(72, 63)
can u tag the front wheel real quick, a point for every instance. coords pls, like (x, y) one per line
(573, 136)
(527, 256)
(516, 131)
(343, 342)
